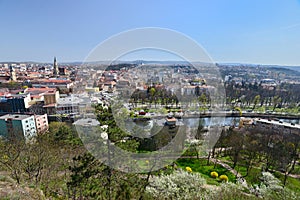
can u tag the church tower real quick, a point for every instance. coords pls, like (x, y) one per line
(55, 67)
(12, 74)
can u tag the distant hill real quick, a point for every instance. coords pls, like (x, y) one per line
(149, 62)
(289, 71)
(296, 68)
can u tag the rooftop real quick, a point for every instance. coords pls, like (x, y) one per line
(57, 81)
(70, 100)
(14, 116)
(39, 89)
(278, 123)
(87, 122)
(173, 119)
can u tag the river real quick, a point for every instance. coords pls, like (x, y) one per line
(209, 121)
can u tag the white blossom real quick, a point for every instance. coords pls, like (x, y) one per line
(178, 185)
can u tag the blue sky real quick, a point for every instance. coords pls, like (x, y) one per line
(256, 31)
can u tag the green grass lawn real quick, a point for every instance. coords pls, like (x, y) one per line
(291, 183)
(252, 177)
(297, 169)
(200, 166)
(255, 173)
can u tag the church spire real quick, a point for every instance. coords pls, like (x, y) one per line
(12, 74)
(55, 67)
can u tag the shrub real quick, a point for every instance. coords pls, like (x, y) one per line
(178, 185)
(228, 191)
(2, 178)
(214, 174)
(271, 188)
(188, 169)
(224, 178)
(131, 114)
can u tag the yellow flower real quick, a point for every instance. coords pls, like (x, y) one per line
(5, 158)
(147, 161)
(214, 174)
(188, 169)
(224, 178)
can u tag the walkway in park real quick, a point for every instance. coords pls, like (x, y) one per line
(239, 177)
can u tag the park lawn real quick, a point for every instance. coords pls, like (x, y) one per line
(291, 183)
(297, 170)
(225, 159)
(200, 166)
(278, 110)
(255, 172)
(252, 177)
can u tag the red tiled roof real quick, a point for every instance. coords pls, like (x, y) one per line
(16, 91)
(35, 96)
(52, 81)
(49, 105)
(46, 89)
(171, 119)
(4, 93)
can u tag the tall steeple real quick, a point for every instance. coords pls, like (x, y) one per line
(55, 67)
(12, 74)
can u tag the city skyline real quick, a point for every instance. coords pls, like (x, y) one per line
(231, 32)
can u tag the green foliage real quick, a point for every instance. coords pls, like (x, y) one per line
(60, 132)
(89, 179)
(84, 168)
(35, 164)
(292, 183)
(115, 133)
(200, 166)
(256, 101)
(239, 110)
(56, 164)
(163, 111)
(152, 91)
(203, 99)
(271, 188)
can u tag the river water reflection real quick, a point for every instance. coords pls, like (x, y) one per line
(192, 122)
(225, 121)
